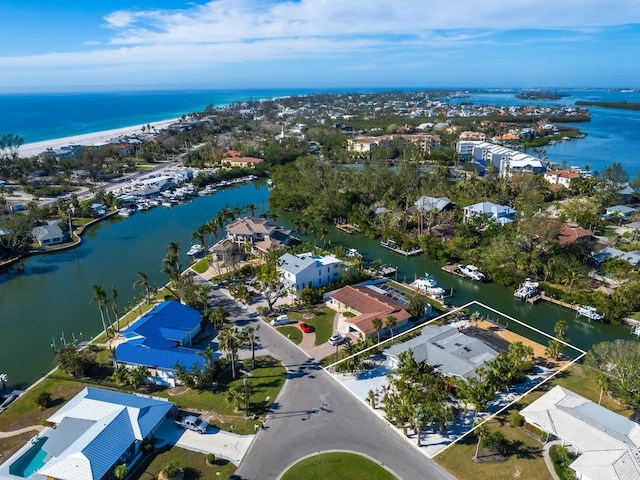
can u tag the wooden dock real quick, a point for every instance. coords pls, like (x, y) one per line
(348, 228)
(454, 270)
(393, 246)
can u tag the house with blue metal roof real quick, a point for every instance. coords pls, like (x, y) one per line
(160, 340)
(94, 432)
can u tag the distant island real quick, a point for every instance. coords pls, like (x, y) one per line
(622, 105)
(540, 95)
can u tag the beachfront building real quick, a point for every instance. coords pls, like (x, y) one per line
(446, 349)
(360, 304)
(94, 432)
(257, 234)
(50, 234)
(160, 340)
(309, 270)
(607, 444)
(492, 212)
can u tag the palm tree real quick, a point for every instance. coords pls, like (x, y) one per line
(143, 283)
(377, 325)
(212, 226)
(371, 398)
(100, 297)
(481, 431)
(569, 278)
(138, 376)
(250, 208)
(201, 235)
(229, 341)
(390, 322)
(235, 395)
(249, 334)
(323, 231)
(203, 298)
(171, 261)
(114, 307)
(120, 375)
(218, 317)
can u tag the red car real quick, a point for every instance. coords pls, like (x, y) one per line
(305, 327)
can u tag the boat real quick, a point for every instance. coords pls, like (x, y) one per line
(195, 250)
(429, 285)
(472, 272)
(590, 312)
(528, 289)
(126, 211)
(353, 253)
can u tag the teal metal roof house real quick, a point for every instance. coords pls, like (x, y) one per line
(95, 431)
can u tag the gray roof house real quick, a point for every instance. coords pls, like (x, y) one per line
(427, 204)
(607, 444)
(501, 214)
(606, 253)
(619, 211)
(50, 234)
(95, 431)
(446, 349)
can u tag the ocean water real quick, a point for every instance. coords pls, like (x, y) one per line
(613, 134)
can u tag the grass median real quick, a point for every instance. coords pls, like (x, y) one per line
(337, 466)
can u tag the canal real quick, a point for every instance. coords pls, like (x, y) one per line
(52, 299)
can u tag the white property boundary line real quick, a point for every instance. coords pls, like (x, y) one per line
(581, 354)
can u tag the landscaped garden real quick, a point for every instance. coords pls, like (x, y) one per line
(337, 466)
(194, 464)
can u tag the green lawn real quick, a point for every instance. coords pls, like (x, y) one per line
(635, 316)
(337, 466)
(201, 265)
(322, 322)
(264, 385)
(193, 463)
(292, 333)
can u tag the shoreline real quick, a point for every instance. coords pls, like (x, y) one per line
(32, 149)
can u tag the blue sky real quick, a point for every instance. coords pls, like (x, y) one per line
(86, 45)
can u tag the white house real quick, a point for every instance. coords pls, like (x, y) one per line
(49, 235)
(94, 432)
(492, 211)
(607, 443)
(507, 160)
(307, 269)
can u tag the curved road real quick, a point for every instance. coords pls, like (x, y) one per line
(301, 425)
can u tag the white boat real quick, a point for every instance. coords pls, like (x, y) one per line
(195, 250)
(352, 253)
(472, 272)
(429, 285)
(528, 289)
(590, 312)
(126, 211)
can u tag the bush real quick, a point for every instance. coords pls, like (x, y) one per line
(171, 469)
(211, 459)
(517, 420)
(44, 400)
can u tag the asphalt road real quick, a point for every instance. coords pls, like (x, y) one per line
(314, 413)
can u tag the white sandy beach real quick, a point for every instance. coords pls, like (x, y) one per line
(31, 149)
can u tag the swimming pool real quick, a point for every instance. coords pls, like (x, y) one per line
(30, 461)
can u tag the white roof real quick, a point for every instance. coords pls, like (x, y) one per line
(609, 442)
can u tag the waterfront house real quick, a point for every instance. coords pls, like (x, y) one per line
(360, 304)
(493, 212)
(606, 443)
(226, 250)
(607, 253)
(50, 234)
(563, 178)
(446, 349)
(428, 204)
(258, 234)
(160, 340)
(94, 432)
(309, 270)
(242, 162)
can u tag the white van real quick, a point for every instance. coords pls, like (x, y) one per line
(280, 320)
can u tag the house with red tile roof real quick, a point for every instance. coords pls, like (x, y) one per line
(573, 233)
(367, 302)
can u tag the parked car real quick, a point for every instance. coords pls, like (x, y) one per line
(305, 327)
(280, 320)
(192, 422)
(337, 340)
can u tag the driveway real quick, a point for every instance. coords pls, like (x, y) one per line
(222, 444)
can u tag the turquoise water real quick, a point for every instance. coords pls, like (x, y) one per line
(31, 461)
